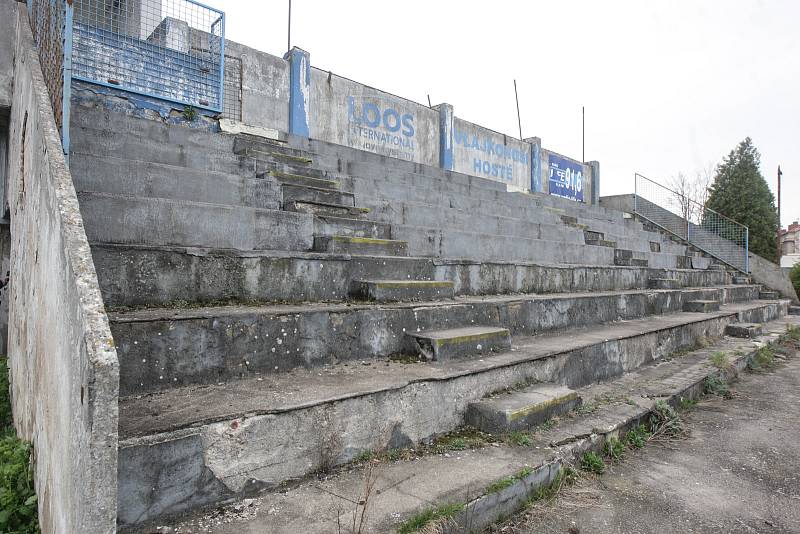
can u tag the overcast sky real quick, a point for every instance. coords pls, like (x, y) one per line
(668, 87)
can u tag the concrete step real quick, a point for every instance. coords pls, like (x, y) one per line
(343, 244)
(455, 343)
(663, 283)
(601, 243)
(274, 153)
(230, 440)
(157, 348)
(328, 225)
(325, 209)
(701, 306)
(155, 275)
(154, 221)
(304, 193)
(626, 258)
(769, 295)
(301, 179)
(794, 310)
(746, 330)
(146, 179)
(400, 290)
(521, 409)
(739, 279)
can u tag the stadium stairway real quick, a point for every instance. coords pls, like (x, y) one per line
(282, 309)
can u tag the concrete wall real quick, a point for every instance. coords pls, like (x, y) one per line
(265, 87)
(64, 369)
(483, 152)
(348, 113)
(8, 35)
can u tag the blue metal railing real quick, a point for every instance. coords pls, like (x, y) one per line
(172, 50)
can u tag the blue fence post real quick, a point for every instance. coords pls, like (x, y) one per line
(595, 182)
(446, 136)
(536, 164)
(299, 90)
(66, 90)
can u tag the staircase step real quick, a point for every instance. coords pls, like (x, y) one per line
(794, 310)
(454, 343)
(156, 221)
(305, 193)
(741, 279)
(569, 219)
(702, 306)
(244, 144)
(344, 244)
(299, 179)
(601, 243)
(330, 225)
(399, 290)
(521, 410)
(663, 283)
(768, 295)
(270, 153)
(324, 209)
(591, 234)
(746, 330)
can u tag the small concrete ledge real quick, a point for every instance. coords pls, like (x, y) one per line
(701, 306)
(521, 410)
(457, 343)
(744, 330)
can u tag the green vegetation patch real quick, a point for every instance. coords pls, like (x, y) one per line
(429, 515)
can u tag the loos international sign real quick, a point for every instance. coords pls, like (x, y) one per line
(565, 178)
(381, 128)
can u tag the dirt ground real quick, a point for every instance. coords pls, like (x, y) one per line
(737, 472)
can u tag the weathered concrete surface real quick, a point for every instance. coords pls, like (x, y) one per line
(397, 290)
(64, 370)
(521, 409)
(407, 487)
(701, 306)
(137, 275)
(8, 46)
(455, 343)
(257, 433)
(163, 348)
(738, 472)
(743, 330)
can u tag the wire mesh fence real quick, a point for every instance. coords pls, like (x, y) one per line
(702, 227)
(232, 101)
(168, 49)
(50, 23)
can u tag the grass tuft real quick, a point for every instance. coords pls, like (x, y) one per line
(715, 385)
(592, 463)
(429, 515)
(614, 449)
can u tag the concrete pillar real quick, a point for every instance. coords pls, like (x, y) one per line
(299, 91)
(446, 136)
(536, 164)
(595, 183)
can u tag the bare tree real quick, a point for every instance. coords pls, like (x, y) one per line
(690, 194)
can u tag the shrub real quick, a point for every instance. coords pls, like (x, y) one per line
(794, 275)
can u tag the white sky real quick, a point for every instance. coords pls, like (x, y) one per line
(668, 86)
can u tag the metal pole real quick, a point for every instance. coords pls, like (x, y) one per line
(779, 214)
(519, 121)
(289, 32)
(583, 134)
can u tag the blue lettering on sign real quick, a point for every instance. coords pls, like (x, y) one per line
(371, 116)
(566, 178)
(492, 150)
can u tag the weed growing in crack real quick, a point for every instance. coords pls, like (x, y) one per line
(428, 516)
(764, 358)
(687, 403)
(520, 439)
(720, 360)
(360, 505)
(592, 463)
(665, 423)
(715, 385)
(637, 437)
(614, 449)
(505, 482)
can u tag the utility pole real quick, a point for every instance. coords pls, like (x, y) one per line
(519, 121)
(583, 134)
(779, 214)
(289, 32)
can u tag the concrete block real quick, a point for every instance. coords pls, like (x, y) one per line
(663, 283)
(521, 410)
(328, 225)
(702, 306)
(343, 244)
(322, 209)
(768, 295)
(456, 343)
(397, 290)
(794, 310)
(700, 262)
(601, 243)
(301, 179)
(741, 279)
(743, 330)
(304, 193)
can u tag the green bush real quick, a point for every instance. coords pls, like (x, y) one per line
(18, 511)
(794, 275)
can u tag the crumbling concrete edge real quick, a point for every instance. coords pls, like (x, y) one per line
(64, 366)
(483, 511)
